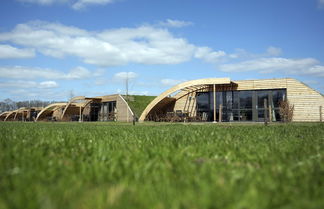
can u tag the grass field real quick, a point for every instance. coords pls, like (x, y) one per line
(116, 165)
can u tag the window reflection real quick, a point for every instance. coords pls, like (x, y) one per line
(245, 99)
(241, 105)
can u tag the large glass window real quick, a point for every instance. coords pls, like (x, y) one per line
(241, 105)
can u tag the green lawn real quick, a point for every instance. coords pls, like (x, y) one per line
(116, 165)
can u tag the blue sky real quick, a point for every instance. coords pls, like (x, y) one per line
(51, 49)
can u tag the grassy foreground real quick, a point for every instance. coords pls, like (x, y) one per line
(107, 165)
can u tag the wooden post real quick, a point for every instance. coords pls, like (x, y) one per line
(321, 114)
(265, 112)
(80, 116)
(220, 113)
(270, 114)
(214, 91)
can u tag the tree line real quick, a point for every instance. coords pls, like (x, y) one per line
(8, 104)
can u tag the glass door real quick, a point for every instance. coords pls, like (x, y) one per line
(260, 96)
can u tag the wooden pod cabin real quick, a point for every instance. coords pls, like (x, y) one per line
(81, 108)
(223, 100)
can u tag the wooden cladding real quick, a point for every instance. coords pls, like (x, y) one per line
(307, 101)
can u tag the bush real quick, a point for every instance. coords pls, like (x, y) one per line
(286, 111)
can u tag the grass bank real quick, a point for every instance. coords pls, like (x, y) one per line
(107, 165)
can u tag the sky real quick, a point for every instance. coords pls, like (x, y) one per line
(55, 49)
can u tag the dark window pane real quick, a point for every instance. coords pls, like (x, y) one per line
(203, 101)
(236, 115)
(245, 99)
(262, 95)
(246, 115)
(228, 99)
(278, 96)
(219, 100)
(276, 115)
(261, 114)
(236, 100)
(227, 115)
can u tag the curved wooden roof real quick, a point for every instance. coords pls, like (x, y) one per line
(70, 102)
(49, 107)
(183, 86)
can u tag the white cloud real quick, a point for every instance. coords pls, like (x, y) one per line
(22, 84)
(48, 84)
(77, 73)
(307, 66)
(208, 55)
(75, 4)
(81, 4)
(7, 51)
(143, 45)
(170, 82)
(273, 51)
(317, 70)
(37, 93)
(175, 23)
(125, 75)
(19, 72)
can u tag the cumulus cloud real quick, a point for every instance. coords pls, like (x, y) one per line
(175, 23)
(7, 52)
(143, 45)
(170, 82)
(125, 75)
(208, 55)
(307, 66)
(75, 4)
(147, 45)
(19, 72)
(22, 84)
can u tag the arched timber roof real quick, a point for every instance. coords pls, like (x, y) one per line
(188, 85)
(70, 102)
(49, 107)
(3, 115)
(10, 114)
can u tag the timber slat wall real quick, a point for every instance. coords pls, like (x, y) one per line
(306, 100)
(124, 113)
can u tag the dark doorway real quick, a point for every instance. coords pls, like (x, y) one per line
(94, 111)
